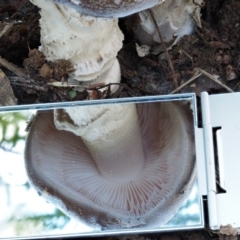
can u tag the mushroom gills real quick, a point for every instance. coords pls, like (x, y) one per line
(112, 135)
(109, 8)
(163, 172)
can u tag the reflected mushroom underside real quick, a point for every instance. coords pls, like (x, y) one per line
(60, 166)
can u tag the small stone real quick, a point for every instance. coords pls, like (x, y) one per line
(218, 59)
(142, 50)
(226, 59)
(230, 73)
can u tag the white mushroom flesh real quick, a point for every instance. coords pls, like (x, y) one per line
(175, 19)
(90, 44)
(112, 135)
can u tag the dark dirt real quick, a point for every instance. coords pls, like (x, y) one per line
(215, 48)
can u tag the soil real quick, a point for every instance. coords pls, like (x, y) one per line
(213, 51)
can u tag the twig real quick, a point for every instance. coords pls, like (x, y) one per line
(6, 28)
(63, 84)
(215, 80)
(14, 79)
(182, 51)
(93, 87)
(121, 85)
(38, 88)
(112, 84)
(165, 48)
(116, 93)
(196, 75)
(11, 67)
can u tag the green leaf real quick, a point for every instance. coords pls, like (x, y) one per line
(72, 94)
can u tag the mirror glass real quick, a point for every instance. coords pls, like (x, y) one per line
(27, 211)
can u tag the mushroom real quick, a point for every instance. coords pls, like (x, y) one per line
(174, 18)
(90, 44)
(86, 33)
(115, 165)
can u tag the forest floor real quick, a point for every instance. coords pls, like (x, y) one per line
(208, 60)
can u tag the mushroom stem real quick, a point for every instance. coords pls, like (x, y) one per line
(90, 44)
(112, 135)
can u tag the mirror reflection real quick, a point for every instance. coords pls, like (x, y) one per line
(109, 168)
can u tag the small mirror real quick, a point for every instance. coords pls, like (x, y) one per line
(47, 166)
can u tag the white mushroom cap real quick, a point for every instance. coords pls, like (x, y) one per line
(60, 165)
(109, 8)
